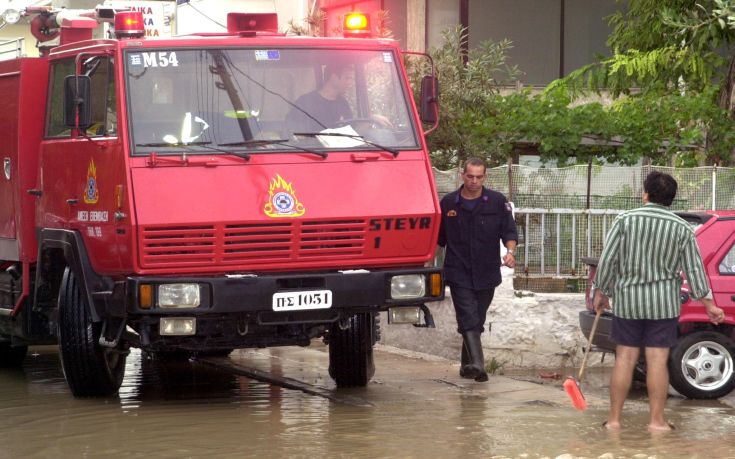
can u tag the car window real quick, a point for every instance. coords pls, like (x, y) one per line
(727, 266)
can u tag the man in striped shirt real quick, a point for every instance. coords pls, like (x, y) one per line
(640, 267)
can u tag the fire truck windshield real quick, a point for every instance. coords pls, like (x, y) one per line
(275, 99)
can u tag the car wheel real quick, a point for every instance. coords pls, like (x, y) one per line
(351, 351)
(89, 369)
(701, 365)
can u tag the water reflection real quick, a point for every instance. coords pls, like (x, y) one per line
(188, 409)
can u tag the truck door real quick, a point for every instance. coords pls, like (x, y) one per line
(9, 83)
(84, 169)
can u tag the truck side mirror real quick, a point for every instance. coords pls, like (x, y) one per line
(429, 99)
(77, 106)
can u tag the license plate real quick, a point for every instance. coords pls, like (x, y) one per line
(299, 301)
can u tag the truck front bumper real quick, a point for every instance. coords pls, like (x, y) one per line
(351, 292)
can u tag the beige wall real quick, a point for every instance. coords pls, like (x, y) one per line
(19, 30)
(186, 18)
(416, 25)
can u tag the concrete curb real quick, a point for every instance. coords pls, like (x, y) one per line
(538, 330)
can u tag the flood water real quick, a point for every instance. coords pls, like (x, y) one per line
(413, 408)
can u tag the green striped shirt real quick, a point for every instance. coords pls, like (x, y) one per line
(640, 267)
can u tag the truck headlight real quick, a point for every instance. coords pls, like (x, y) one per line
(178, 296)
(407, 286)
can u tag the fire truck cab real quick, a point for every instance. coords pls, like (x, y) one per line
(179, 195)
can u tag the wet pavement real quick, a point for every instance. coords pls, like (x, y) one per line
(415, 406)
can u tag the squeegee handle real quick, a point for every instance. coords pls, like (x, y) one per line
(589, 344)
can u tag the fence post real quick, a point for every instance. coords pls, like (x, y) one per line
(510, 179)
(714, 187)
(589, 181)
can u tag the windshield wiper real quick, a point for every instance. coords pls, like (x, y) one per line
(203, 144)
(263, 142)
(179, 145)
(350, 136)
(252, 143)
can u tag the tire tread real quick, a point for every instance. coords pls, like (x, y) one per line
(83, 362)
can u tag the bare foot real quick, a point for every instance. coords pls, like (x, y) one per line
(611, 425)
(666, 427)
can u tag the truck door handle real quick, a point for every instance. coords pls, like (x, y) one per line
(34, 192)
(732, 297)
(72, 201)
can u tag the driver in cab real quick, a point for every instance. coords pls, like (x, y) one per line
(325, 107)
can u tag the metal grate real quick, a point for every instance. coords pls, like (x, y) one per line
(332, 239)
(177, 245)
(257, 242)
(251, 243)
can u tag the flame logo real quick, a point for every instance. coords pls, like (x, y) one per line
(91, 193)
(282, 201)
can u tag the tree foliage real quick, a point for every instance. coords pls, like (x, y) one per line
(672, 50)
(480, 118)
(468, 81)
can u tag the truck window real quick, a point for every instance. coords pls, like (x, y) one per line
(55, 126)
(199, 100)
(104, 114)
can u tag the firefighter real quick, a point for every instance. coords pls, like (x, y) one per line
(327, 106)
(474, 220)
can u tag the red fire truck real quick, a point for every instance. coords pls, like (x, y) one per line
(158, 194)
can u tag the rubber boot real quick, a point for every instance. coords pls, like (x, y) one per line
(476, 368)
(464, 361)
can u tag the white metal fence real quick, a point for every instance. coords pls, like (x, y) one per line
(11, 48)
(563, 214)
(601, 187)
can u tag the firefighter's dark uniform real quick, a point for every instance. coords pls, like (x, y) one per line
(472, 262)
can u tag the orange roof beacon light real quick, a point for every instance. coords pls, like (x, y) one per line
(129, 24)
(357, 25)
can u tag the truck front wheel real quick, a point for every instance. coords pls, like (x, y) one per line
(89, 369)
(351, 351)
(701, 365)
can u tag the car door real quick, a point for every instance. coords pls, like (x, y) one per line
(722, 267)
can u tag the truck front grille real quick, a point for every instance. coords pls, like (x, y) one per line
(251, 244)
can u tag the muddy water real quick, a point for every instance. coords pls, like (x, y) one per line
(412, 408)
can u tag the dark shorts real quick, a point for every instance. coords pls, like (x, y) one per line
(644, 332)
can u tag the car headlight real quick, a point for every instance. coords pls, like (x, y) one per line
(178, 296)
(407, 286)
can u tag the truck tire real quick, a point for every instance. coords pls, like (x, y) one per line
(12, 356)
(701, 365)
(90, 369)
(351, 351)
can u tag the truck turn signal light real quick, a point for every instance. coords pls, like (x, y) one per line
(435, 284)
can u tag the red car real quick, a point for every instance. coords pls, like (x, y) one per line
(702, 363)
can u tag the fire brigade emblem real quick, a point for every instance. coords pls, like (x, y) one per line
(91, 193)
(282, 201)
